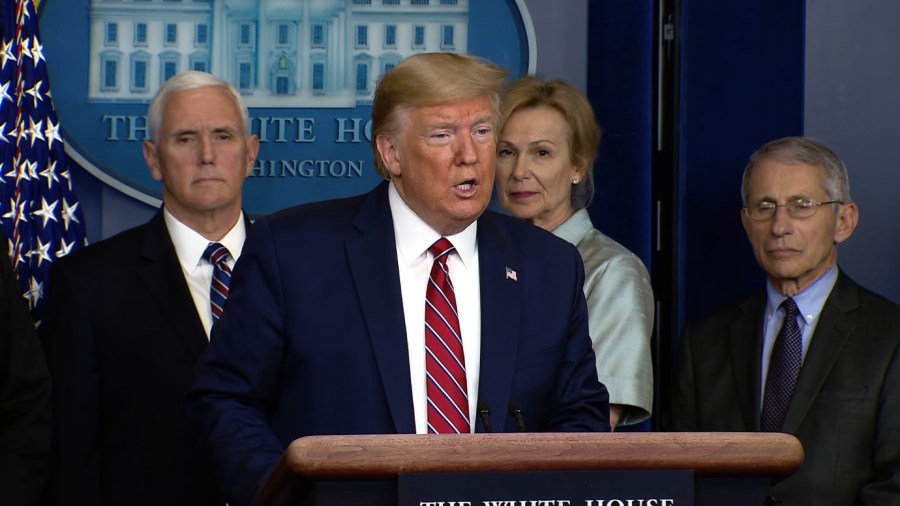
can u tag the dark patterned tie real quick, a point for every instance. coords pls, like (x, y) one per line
(217, 255)
(445, 366)
(784, 367)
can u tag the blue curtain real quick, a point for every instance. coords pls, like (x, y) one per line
(621, 63)
(742, 84)
(621, 88)
(738, 82)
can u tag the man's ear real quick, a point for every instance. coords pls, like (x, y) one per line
(252, 153)
(389, 153)
(847, 218)
(152, 160)
(745, 221)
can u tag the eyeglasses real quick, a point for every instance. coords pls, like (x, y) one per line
(798, 207)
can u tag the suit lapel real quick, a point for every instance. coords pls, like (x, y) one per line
(834, 328)
(501, 303)
(746, 341)
(373, 265)
(162, 278)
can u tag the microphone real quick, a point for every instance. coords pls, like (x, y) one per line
(484, 412)
(516, 411)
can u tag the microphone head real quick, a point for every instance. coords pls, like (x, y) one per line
(516, 411)
(484, 412)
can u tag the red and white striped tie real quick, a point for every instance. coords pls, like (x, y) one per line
(445, 366)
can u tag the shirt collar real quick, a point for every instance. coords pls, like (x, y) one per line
(574, 228)
(414, 236)
(190, 245)
(810, 301)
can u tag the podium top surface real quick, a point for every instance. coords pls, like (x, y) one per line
(386, 456)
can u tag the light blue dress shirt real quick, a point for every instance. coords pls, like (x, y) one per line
(809, 302)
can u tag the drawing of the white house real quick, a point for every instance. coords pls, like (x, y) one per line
(278, 53)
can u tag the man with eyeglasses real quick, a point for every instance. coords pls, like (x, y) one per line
(814, 354)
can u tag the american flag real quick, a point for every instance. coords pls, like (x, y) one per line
(39, 214)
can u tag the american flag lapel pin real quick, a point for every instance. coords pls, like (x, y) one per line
(511, 274)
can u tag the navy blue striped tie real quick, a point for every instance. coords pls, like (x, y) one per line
(218, 255)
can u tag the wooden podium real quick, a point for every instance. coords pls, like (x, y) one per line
(719, 461)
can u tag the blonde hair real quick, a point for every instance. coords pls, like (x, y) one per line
(431, 79)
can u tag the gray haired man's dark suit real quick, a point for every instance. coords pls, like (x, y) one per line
(123, 337)
(25, 424)
(846, 405)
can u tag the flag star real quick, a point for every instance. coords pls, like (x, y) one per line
(49, 173)
(35, 131)
(42, 251)
(68, 214)
(11, 213)
(52, 133)
(35, 292)
(35, 92)
(26, 13)
(18, 130)
(64, 248)
(5, 137)
(65, 175)
(6, 54)
(4, 93)
(12, 176)
(47, 211)
(18, 258)
(24, 50)
(32, 169)
(22, 173)
(37, 51)
(21, 214)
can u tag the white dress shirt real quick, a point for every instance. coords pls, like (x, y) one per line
(414, 237)
(189, 247)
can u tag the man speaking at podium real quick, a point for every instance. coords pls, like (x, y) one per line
(406, 310)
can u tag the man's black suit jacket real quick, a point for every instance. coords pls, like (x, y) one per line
(846, 406)
(24, 395)
(123, 336)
